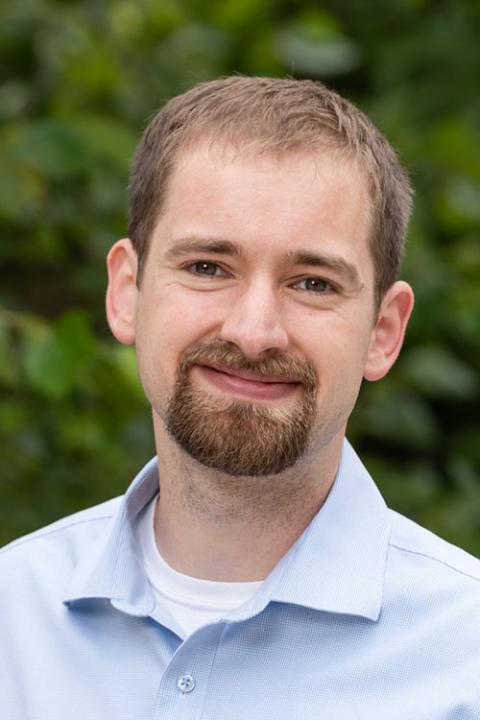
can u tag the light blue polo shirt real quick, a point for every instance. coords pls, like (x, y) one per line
(367, 617)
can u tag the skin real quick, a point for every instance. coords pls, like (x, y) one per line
(267, 254)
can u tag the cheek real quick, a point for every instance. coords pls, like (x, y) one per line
(188, 317)
(171, 322)
(336, 347)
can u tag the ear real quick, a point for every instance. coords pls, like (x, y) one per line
(121, 300)
(388, 333)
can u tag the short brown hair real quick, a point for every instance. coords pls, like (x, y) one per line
(272, 115)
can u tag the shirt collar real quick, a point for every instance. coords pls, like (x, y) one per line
(112, 567)
(337, 565)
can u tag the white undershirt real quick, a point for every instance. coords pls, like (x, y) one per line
(192, 602)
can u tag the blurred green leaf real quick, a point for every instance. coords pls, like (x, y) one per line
(436, 372)
(8, 366)
(402, 418)
(54, 357)
(45, 364)
(316, 47)
(52, 148)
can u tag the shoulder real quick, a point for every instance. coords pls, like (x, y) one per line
(416, 544)
(431, 600)
(67, 538)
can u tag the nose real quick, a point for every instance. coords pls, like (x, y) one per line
(254, 321)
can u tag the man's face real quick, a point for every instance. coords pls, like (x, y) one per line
(255, 313)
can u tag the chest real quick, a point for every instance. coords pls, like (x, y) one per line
(276, 666)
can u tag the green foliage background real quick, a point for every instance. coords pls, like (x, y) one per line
(78, 80)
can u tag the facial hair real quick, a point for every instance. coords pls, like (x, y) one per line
(240, 437)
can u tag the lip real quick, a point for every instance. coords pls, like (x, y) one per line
(244, 375)
(248, 385)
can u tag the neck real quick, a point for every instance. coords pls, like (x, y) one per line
(234, 529)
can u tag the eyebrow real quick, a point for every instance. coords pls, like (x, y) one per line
(334, 263)
(220, 246)
(189, 245)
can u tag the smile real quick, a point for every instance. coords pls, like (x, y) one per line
(247, 385)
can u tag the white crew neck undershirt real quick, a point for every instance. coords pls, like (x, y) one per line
(193, 602)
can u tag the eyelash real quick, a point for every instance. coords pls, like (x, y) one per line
(329, 287)
(191, 267)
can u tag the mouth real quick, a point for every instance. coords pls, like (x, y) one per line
(248, 385)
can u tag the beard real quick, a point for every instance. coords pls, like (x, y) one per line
(239, 437)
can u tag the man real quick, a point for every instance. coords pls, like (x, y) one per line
(253, 571)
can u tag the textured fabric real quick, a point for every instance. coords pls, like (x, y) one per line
(191, 601)
(367, 617)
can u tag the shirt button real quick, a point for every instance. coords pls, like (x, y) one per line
(186, 683)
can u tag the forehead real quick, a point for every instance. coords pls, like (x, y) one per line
(299, 176)
(267, 201)
(310, 163)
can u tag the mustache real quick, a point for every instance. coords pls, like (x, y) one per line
(229, 356)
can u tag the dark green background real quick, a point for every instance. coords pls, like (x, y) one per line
(78, 80)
